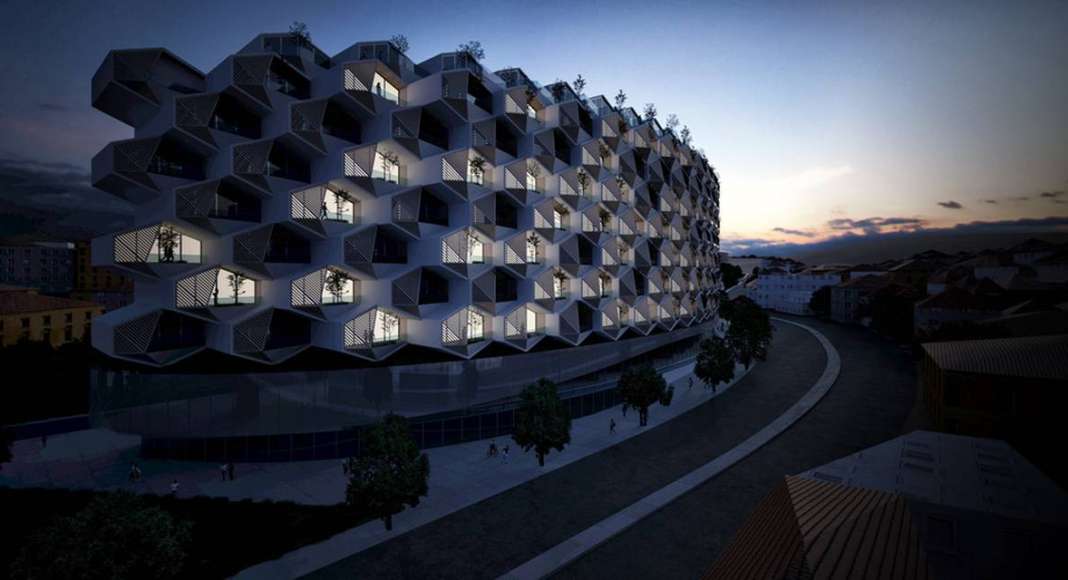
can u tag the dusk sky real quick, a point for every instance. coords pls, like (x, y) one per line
(816, 115)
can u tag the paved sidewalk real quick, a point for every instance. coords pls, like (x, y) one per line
(461, 475)
(491, 537)
(562, 554)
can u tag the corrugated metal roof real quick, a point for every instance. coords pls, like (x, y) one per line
(1039, 357)
(806, 528)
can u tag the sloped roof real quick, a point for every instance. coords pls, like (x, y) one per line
(22, 300)
(1037, 357)
(806, 528)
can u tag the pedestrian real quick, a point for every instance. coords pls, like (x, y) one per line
(137, 473)
(504, 454)
(492, 452)
(611, 425)
(174, 488)
(691, 385)
(44, 439)
(132, 478)
(222, 471)
(624, 410)
(230, 470)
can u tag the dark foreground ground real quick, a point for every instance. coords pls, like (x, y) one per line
(867, 405)
(495, 535)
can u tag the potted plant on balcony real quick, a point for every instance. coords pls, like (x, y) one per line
(533, 240)
(605, 217)
(236, 281)
(533, 172)
(392, 161)
(620, 99)
(605, 153)
(649, 113)
(298, 31)
(564, 213)
(583, 180)
(561, 279)
(580, 86)
(478, 168)
(168, 241)
(335, 284)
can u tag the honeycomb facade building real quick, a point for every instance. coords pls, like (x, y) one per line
(359, 203)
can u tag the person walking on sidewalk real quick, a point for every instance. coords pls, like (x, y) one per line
(222, 471)
(611, 425)
(690, 388)
(230, 470)
(504, 454)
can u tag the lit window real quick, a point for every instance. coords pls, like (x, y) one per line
(475, 250)
(532, 321)
(532, 251)
(532, 182)
(385, 89)
(386, 328)
(475, 322)
(532, 113)
(385, 169)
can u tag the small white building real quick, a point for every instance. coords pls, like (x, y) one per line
(791, 292)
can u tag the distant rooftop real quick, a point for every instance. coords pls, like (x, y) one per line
(1037, 357)
(17, 300)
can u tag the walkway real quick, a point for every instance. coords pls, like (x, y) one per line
(868, 405)
(564, 553)
(491, 537)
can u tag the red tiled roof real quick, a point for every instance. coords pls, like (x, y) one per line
(1037, 357)
(807, 528)
(22, 300)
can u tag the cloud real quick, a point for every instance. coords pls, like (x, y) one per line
(790, 232)
(876, 225)
(993, 201)
(1051, 194)
(950, 205)
(1020, 198)
(52, 107)
(60, 189)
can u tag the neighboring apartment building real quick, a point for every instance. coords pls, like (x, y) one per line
(103, 286)
(47, 266)
(981, 301)
(27, 315)
(924, 506)
(1010, 388)
(850, 300)
(791, 292)
(361, 202)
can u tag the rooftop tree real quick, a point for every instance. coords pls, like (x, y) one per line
(542, 421)
(473, 49)
(400, 42)
(649, 113)
(620, 99)
(390, 475)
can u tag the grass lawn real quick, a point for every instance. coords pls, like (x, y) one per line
(227, 537)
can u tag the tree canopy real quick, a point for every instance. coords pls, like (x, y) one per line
(117, 536)
(390, 474)
(542, 421)
(749, 333)
(715, 361)
(640, 387)
(820, 302)
(731, 274)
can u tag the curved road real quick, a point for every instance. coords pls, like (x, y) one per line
(495, 535)
(867, 405)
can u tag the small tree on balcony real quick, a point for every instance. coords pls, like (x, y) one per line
(605, 217)
(542, 421)
(684, 136)
(534, 241)
(604, 152)
(558, 91)
(336, 282)
(533, 172)
(236, 282)
(561, 279)
(478, 167)
(400, 42)
(620, 99)
(168, 241)
(299, 32)
(472, 49)
(579, 85)
(583, 180)
(389, 324)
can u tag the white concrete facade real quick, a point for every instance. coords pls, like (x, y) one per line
(790, 293)
(361, 202)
